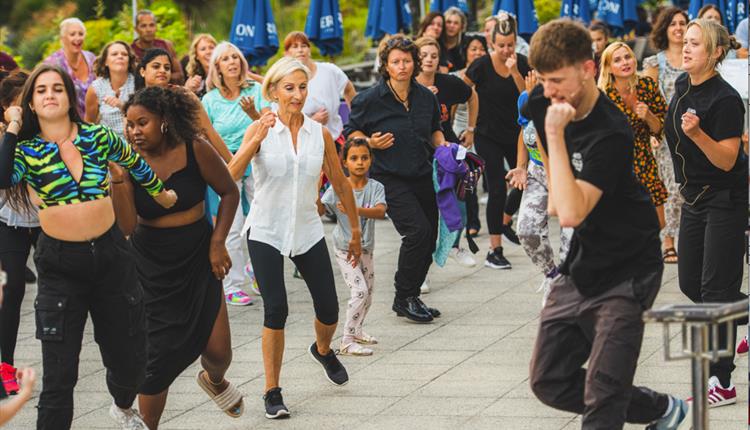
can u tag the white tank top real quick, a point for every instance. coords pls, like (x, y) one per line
(283, 212)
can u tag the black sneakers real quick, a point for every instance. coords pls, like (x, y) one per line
(275, 407)
(495, 259)
(333, 368)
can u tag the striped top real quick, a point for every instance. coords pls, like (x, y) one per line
(39, 163)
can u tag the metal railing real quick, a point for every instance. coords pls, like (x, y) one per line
(700, 325)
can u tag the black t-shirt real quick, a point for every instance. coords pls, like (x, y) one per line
(498, 100)
(619, 239)
(721, 114)
(376, 109)
(451, 91)
(455, 58)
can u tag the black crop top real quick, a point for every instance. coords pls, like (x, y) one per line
(187, 182)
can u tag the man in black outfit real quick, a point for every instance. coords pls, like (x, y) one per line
(614, 268)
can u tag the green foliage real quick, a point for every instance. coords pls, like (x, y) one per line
(547, 10)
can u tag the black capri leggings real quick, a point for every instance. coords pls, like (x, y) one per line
(315, 268)
(494, 155)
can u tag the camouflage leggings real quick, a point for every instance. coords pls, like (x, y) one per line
(673, 205)
(533, 228)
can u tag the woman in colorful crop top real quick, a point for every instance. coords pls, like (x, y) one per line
(180, 258)
(84, 263)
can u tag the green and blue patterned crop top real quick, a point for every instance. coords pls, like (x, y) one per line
(39, 163)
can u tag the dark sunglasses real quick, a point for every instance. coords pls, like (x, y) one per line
(399, 42)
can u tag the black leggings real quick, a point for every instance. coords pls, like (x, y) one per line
(493, 154)
(315, 268)
(15, 244)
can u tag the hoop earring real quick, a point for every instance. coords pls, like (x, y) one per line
(164, 128)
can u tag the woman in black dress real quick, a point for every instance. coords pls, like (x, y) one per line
(180, 259)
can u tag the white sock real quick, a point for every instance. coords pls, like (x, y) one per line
(670, 407)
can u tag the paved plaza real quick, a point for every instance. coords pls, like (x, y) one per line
(468, 370)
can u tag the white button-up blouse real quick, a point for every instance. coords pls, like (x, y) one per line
(283, 212)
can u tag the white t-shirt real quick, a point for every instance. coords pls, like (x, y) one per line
(324, 91)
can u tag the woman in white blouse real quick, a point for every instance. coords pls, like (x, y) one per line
(288, 151)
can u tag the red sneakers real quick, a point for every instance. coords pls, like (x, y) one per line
(742, 347)
(718, 395)
(8, 377)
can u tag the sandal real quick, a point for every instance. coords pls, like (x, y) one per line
(229, 401)
(669, 255)
(365, 339)
(355, 349)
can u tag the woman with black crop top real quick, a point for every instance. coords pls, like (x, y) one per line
(50, 158)
(703, 129)
(180, 259)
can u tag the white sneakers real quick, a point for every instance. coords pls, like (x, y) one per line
(462, 257)
(127, 419)
(425, 288)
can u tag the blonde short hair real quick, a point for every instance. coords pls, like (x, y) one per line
(605, 75)
(214, 78)
(67, 22)
(283, 67)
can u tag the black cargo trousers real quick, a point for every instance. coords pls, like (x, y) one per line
(76, 279)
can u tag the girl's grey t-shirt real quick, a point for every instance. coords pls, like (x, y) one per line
(370, 196)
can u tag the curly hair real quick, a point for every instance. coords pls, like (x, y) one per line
(100, 64)
(176, 109)
(402, 43)
(659, 38)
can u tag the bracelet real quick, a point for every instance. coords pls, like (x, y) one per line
(16, 121)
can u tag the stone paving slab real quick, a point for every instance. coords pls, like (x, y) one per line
(468, 370)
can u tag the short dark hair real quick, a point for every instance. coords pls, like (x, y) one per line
(600, 26)
(354, 142)
(559, 43)
(402, 43)
(470, 37)
(141, 13)
(659, 38)
(100, 64)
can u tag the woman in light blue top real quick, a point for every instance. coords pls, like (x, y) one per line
(115, 68)
(233, 103)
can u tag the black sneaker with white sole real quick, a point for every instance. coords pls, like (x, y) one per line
(275, 407)
(496, 260)
(333, 368)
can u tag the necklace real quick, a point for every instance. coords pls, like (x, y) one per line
(404, 102)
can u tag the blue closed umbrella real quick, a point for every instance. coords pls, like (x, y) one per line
(576, 9)
(736, 11)
(523, 10)
(615, 13)
(387, 17)
(443, 5)
(254, 31)
(325, 26)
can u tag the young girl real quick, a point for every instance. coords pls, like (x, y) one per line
(370, 197)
